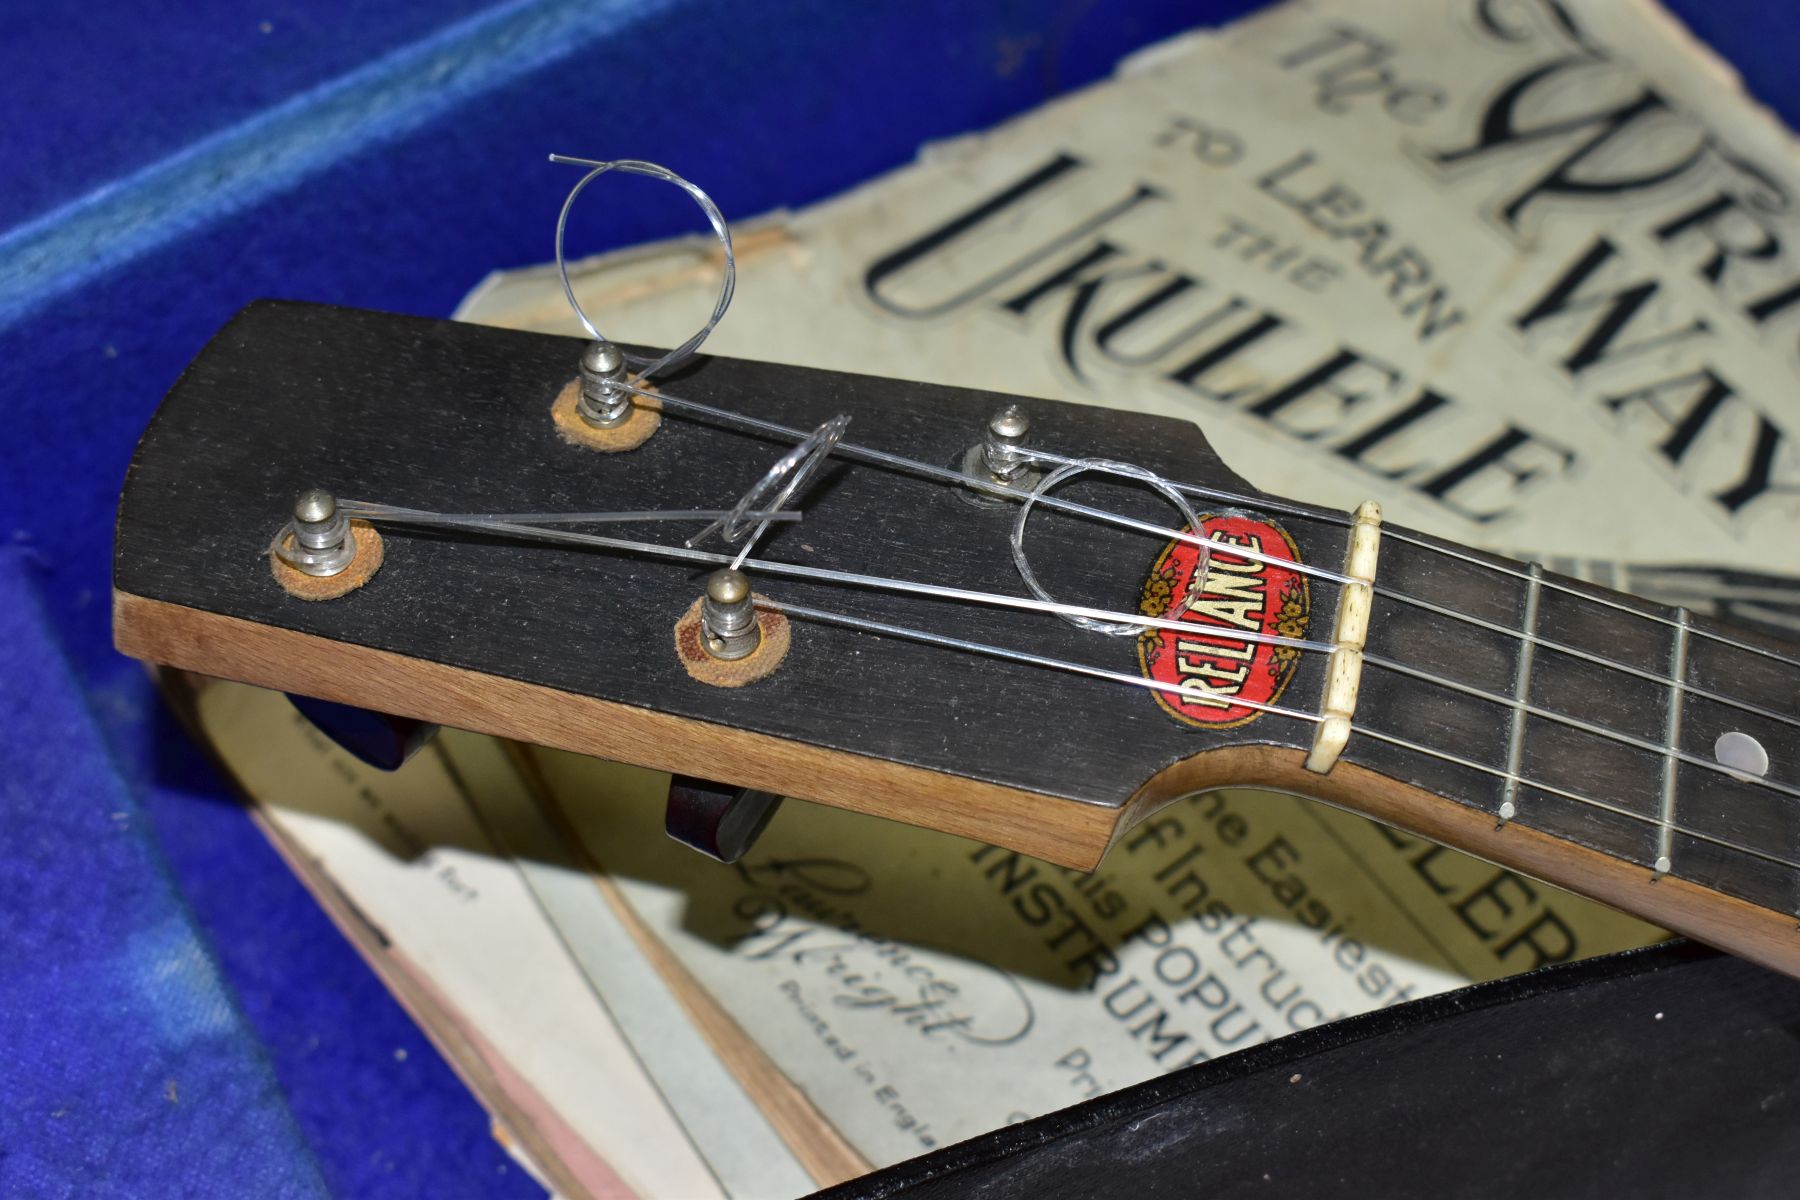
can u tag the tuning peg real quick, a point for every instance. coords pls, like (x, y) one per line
(317, 541)
(1000, 449)
(999, 455)
(380, 739)
(603, 404)
(728, 623)
(716, 819)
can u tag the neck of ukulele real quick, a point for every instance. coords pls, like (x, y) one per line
(1620, 748)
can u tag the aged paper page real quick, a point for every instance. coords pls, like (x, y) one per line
(420, 867)
(922, 988)
(723, 1120)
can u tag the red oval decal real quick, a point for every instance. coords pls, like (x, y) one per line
(1221, 677)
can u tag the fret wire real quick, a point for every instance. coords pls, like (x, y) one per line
(1515, 742)
(945, 474)
(1376, 660)
(1672, 735)
(1027, 658)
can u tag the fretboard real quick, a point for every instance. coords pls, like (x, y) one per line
(1595, 717)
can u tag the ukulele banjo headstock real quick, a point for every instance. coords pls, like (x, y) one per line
(571, 634)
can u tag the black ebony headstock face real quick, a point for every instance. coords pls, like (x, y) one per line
(456, 418)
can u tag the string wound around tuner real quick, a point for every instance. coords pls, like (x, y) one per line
(317, 540)
(321, 553)
(728, 625)
(999, 456)
(603, 404)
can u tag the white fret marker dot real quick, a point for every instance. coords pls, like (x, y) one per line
(1742, 755)
(1663, 864)
(1507, 811)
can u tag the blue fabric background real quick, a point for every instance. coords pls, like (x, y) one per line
(128, 1066)
(164, 163)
